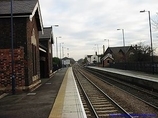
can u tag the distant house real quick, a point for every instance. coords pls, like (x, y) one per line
(27, 24)
(45, 43)
(66, 63)
(116, 54)
(93, 59)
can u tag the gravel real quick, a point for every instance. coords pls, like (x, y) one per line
(126, 100)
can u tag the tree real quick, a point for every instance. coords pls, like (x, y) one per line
(141, 53)
(80, 61)
(85, 60)
(155, 22)
(56, 63)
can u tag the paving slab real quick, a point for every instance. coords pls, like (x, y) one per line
(68, 103)
(35, 104)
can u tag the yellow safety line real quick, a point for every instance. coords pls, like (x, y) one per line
(56, 111)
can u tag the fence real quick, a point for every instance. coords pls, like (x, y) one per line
(143, 67)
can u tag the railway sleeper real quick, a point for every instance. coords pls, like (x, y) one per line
(105, 108)
(103, 105)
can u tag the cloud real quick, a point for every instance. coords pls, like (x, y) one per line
(83, 24)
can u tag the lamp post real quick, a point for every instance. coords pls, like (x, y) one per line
(56, 40)
(12, 49)
(123, 36)
(97, 48)
(60, 48)
(63, 51)
(68, 52)
(152, 60)
(57, 45)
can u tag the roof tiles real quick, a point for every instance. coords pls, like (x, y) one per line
(19, 6)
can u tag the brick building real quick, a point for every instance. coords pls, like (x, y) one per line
(26, 24)
(116, 54)
(46, 41)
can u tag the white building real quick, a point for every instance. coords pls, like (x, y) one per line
(66, 63)
(93, 58)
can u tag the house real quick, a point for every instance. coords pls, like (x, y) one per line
(45, 49)
(93, 59)
(107, 59)
(66, 62)
(27, 23)
(116, 54)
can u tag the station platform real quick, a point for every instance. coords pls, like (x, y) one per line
(135, 74)
(149, 81)
(57, 97)
(68, 103)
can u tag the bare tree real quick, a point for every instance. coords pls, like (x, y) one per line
(155, 22)
(141, 53)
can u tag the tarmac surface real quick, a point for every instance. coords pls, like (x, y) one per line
(36, 104)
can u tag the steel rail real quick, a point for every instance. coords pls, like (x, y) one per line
(136, 88)
(108, 97)
(86, 96)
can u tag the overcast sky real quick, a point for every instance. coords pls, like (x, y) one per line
(84, 24)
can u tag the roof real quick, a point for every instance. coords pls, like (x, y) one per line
(46, 35)
(115, 50)
(89, 56)
(21, 8)
(107, 56)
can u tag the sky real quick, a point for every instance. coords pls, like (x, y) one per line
(86, 25)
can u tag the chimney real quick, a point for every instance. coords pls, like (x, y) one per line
(96, 53)
(103, 49)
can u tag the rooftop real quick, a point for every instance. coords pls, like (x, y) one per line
(47, 34)
(19, 7)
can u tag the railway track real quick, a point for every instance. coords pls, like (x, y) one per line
(97, 104)
(143, 94)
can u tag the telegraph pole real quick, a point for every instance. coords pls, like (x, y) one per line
(12, 50)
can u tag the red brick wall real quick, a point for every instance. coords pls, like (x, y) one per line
(19, 35)
(23, 28)
(29, 29)
(6, 69)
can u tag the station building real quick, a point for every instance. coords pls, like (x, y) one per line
(45, 50)
(27, 23)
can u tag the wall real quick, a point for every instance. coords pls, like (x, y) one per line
(19, 34)
(107, 62)
(6, 69)
(23, 33)
(19, 45)
(32, 39)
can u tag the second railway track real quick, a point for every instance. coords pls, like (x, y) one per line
(143, 94)
(98, 104)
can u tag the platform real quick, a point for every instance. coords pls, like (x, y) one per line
(68, 103)
(149, 81)
(136, 74)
